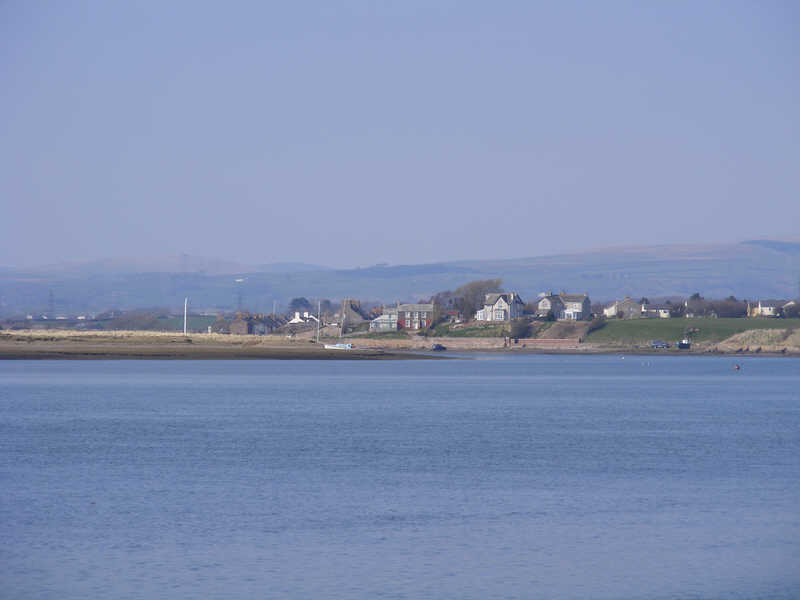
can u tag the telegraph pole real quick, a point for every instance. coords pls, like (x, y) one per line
(185, 306)
(319, 305)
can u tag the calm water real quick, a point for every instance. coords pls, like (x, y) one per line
(520, 477)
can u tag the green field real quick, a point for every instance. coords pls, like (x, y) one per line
(638, 331)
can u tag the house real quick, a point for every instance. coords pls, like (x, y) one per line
(766, 308)
(549, 304)
(454, 316)
(569, 307)
(624, 309)
(414, 316)
(385, 322)
(501, 307)
(656, 311)
(246, 324)
(302, 318)
(577, 307)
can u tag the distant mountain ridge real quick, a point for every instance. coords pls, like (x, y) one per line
(178, 263)
(752, 269)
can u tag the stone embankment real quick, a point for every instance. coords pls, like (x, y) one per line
(466, 343)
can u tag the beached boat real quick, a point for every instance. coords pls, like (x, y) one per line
(684, 344)
(338, 346)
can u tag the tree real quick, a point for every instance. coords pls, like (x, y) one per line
(696, 296)
(644, 300)
(470, 297)
(327, 307)
(299, 305)
(728, 308)
(520, 328)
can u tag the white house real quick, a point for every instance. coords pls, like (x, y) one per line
(766, 308)
(501, 307)
(303, 317)
(656, 311)
(386, 322)
(577, 307)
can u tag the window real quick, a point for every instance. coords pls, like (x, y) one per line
(408, 323)
(423, 314)
(416, 315)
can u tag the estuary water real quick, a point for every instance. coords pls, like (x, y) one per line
(495, 477)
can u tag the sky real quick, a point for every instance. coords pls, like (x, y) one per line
(353, 133)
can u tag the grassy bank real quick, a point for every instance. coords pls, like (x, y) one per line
(471, 330)
(643, 331)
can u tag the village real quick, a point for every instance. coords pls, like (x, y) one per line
(505, 313)
(479, 315)
(472, 310)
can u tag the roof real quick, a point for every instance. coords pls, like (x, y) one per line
(573, 297)
(493, 298)
(415, 307)
(657, 306)
(381, 318)
(509, 297)
(772, 303)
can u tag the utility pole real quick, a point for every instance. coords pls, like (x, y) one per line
(185, 307)
(319, 306)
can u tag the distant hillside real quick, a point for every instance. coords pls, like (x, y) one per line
(753, 269)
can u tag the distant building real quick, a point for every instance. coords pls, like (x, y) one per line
(453, 316)
(414, 316)
(549, 304)
(564, 307)
(301, 318)
(577, 307)
(656, 311)
(384, 322)
(624, 309)
(501, 307)
(766, 308)
(247, 324)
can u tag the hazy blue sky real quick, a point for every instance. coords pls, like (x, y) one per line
(351, 133)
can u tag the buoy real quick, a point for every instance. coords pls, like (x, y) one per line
(736, 368)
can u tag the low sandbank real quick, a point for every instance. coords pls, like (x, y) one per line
(138, 345)
(74, 345)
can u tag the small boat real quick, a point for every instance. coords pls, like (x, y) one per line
(439, 348)
(684, 344)
(338, 346)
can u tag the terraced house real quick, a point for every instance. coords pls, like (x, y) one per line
(414, 316)
(403, 316)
